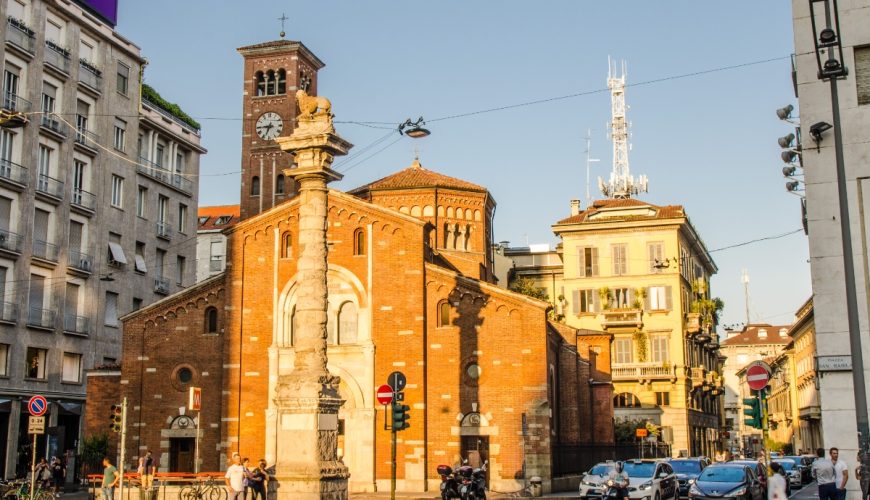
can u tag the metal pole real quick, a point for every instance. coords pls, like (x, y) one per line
(393, 462)
(196, 449)
(33, 467)
(123, 445)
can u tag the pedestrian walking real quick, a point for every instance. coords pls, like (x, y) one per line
(257, 481)
(58, 473)
(235, 479)
(110, 479)
(43, 474)
(823, 472)
(841, 473)
(776, 486)
(146, 471)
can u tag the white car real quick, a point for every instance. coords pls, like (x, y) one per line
(651, 480)
(591, 484)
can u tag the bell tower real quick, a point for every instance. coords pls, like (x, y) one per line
(273, 71)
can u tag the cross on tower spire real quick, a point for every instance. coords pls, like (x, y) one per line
(282, 19)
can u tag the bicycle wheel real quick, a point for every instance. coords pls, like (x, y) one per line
(44, 495)
(216, 493)
(188, 493)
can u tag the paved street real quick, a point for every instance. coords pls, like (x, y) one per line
(808, 492)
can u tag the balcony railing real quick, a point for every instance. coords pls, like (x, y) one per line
(41, 318)
(156, 171)
(84, 199)
(57, 56)
(9, 241)
(622, 318)
(90, 76)
(53, 124)
(13, 172)
(50, 186)
(20, 35)
(81, 261)
(14, 102)
(698, 375)
(182, 183)
(86, 138)
(9, 312)
(164, 230)
(78, 325)
(45, 250)
(161, 285)
(642, 371)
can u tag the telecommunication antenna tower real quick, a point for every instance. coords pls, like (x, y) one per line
(588, 164)
(622, 184)
(744, 277)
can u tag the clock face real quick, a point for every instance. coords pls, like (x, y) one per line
(269, 125)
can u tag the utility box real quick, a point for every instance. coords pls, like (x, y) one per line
(536, 487)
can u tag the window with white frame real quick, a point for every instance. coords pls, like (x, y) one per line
(658, 298)
(72, 368)
(619, 255)
(4, 360)
(111, 313)
(117, 191)
(587, 261)
(120, 134)
(123, 78)
(182, 217)
(141, 201)
(622, 350)
(656, 252)
(585, 301)
(659, 349)
(7, 139)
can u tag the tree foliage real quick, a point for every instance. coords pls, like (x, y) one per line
(152, 96)
(526, 286)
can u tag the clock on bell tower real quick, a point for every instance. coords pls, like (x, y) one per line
(273, 71)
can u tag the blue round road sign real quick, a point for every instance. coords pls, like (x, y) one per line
(37, 405)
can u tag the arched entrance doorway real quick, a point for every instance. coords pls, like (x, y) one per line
(182, 443)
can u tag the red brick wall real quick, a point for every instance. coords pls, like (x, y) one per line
(102, 392)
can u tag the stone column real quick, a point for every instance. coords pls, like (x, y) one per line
(307, 399)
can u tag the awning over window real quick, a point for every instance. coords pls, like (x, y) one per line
(74, 408)
(5, 405)
(117, 253)
(140, 264)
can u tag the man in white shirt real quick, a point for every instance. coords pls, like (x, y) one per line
(823, 471)
(841, 470)
(235, 479)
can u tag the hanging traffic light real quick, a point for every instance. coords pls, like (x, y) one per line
(752, 410)
(401, 415)
(117, 418)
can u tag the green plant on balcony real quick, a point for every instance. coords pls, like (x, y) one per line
(92, 67)
(152, 96)
(606, 296)
(57, 48)
(18, 23)
(639, 296)
(639, 338)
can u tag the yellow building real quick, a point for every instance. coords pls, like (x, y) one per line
(809, 410)
(640, 272)
(782, 417)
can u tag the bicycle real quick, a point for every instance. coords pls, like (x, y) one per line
(23, 492)
(207, 489)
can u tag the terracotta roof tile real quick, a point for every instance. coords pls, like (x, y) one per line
(215, 214)
(614, 205)
(750, 336)
(416, 176)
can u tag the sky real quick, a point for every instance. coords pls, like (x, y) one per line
(704, 81)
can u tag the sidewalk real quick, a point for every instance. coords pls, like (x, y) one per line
(433, 495)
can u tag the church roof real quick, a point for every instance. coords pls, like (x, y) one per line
(610, 210)
(416, 176)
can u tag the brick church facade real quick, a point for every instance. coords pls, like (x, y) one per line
(411, 288)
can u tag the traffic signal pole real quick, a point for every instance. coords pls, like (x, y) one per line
(123, 445)
(393, 462)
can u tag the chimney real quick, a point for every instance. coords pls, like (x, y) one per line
(575, 207)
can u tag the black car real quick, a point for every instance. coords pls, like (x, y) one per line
(687, 471)
(805, 463)
(725, 481)
(759, 469)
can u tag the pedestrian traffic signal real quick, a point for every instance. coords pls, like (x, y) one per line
(117, 418)
(401, 416)
(752, 410)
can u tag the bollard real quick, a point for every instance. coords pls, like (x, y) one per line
(536, 487)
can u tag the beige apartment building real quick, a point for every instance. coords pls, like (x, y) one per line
(640, 272)
(98, 201)
(808, 434)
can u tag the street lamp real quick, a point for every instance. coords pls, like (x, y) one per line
(827, 41)
(414, 129)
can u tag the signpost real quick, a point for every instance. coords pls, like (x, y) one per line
(757, 378)
(195, 404)
(387, 394)
(37, 407)
(384, 394)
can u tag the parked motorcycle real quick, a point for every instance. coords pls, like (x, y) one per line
(465, 483)
(449, 483)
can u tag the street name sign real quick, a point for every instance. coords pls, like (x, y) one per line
(834, 363)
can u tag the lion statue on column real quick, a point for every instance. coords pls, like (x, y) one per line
(311, 105)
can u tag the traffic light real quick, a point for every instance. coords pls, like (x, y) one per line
(117, 418)
(401, 416)
(753, 411)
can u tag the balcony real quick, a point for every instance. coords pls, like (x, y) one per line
(20, 36)
(80, 262)
(8, 313)
(90, 76)
(164, 230)
(45, 251)
(622, 318)
(49, 187)
(698, 375)
(157, 172)
(86, 139)
(643, 371)
(76, 325)
(15, 109)
(41, 318)
(161, 285)
(54, 126)
(10, 242)
(13, 175)
(57, 57)
(83, 201)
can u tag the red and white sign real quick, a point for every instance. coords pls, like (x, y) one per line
(194, 402)
(384, 394)
(758, 375)
(37, 405)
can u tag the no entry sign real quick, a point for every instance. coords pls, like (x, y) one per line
(385, 394)
(37, 405)
(758, 376)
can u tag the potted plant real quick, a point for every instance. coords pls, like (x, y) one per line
(639, 296)
(639, 338)
(606, 296)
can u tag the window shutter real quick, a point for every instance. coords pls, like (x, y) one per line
(862, 74)
(596, 300)
(575, 296)
(581, 261)
(668, 301)
(594, 261)
(648, 299)
(630, 298)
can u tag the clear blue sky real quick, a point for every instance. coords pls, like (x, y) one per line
(707, 142)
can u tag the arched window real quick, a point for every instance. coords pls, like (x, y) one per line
(347, 323)
(287, 245)
(359, 242)
(294, 324)
(443, 313)
(261, 83)
(282, 81)
(279, 184)
(270, 83)
(626, 400)
(211, 320)
(255, 186)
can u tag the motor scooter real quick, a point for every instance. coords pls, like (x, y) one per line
(449, 483)
(612, 490)
(477, 490)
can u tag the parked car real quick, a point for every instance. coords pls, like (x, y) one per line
(687, 471)
(591, 484)
(728, 481)
(651, 480)
(806, 462)
(759, 469)
(792, 472)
